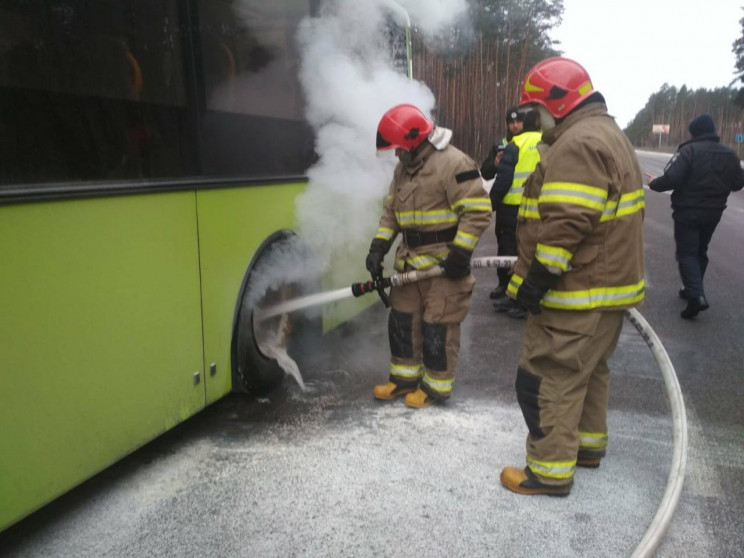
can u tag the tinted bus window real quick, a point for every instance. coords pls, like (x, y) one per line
(253, 124)
(92, 91)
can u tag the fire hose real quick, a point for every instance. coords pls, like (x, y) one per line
(660, 523)
(407, 277)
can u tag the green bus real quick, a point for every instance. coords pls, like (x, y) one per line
(151, 155)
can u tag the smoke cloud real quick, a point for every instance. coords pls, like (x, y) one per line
(350, 81)
(434, 17)
(349, 77)
(285, 261)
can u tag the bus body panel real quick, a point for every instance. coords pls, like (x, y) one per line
(118, 296)
(100, 337)
(233, 223)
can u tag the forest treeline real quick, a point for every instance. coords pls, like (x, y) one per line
(476, 75)
(676, 107)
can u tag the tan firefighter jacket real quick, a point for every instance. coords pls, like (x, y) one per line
(581, 215)
(440, 190)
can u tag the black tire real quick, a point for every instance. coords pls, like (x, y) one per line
(254, 371)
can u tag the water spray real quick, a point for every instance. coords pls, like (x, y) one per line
(379, 286)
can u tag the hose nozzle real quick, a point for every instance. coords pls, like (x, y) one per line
(379, 285)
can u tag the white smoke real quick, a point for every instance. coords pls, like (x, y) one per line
(285, 261)
(434, 16)
(349, 81)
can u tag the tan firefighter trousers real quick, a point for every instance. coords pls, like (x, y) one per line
(424, 332)
(563, 387)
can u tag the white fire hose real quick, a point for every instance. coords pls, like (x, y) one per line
(664, 514)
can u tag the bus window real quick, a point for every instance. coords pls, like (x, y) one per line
(92, 91)
(254, 123)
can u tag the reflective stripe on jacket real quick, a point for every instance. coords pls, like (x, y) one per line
(438, 190)
(582, 213)
(529, 156)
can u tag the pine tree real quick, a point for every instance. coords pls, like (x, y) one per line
(738, 50)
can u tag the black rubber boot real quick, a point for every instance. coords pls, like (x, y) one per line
(498, 292)
(517, 312)
(504, 305)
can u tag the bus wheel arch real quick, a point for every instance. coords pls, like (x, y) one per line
(254, 368)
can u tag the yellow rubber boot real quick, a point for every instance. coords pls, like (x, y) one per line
(418, 399)
(523, 481)
(390, 391)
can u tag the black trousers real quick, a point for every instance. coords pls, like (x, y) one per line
(506, 236)
(693, 231)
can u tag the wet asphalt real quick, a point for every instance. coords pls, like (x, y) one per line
(331, 472)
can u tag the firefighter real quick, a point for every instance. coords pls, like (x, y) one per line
(580, 264)
(519, 160)
(437, 203)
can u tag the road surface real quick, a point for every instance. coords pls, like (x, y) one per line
(331, 472)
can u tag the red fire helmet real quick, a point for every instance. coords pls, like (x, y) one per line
(559, 84)
(403, 126)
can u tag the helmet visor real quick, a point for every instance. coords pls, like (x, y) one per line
(382, 143)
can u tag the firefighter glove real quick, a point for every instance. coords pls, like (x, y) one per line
(457, 263)
(377, 252)
(538, 282)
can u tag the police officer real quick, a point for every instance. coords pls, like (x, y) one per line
(580, 264)
(489, 168)
(701, 175)
(437, 203)
(519, 160)
(513, 127)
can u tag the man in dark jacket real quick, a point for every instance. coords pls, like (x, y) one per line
(493, 159)
(701, 175)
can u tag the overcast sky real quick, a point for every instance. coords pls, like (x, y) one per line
(632, 47)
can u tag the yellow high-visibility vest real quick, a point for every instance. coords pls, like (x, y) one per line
(529, 157)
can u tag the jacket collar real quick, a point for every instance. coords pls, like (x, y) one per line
(703, 137)
(440, 137)
(592, 109)
(422, 155)
(438, 140)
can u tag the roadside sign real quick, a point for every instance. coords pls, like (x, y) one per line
(739, 138)
(660, 129)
